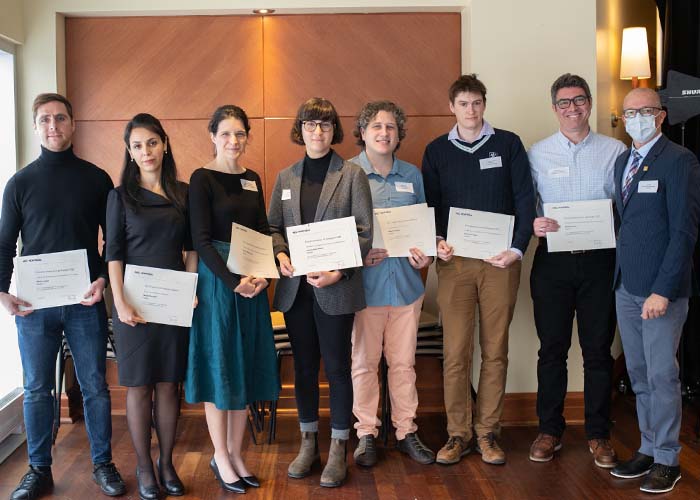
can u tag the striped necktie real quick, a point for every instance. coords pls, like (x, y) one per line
(636, 159)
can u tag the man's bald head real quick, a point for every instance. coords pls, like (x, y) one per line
(648, 97)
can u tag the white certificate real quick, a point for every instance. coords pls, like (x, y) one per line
(161, 295)
(583, 225)
(477, 234)
(251, 253)
(52, 279)
(398, 229)
(324, 246)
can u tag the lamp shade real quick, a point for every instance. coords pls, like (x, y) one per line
(634, 60)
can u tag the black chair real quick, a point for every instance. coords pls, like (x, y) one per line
(283, 347)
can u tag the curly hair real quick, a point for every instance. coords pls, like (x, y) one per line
(370, 110)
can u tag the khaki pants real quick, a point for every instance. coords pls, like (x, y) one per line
(396, 329)
(462, 285)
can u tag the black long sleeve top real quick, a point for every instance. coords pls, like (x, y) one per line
(216, 199)
(312, 178)
(56, 203)
(453, 177)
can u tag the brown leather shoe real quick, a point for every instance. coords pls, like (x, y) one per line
(603, 453)
(455, 448)
(491, 453)
(544, 447)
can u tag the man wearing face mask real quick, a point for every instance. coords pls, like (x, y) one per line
(657, 195)
(574, 164)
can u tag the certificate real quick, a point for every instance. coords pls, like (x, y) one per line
(161, 295)
(399, 229)
(251, 253)
(477, 234)
(583, 225)
(324, 246)
(52, 279)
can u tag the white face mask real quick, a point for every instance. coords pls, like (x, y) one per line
(641, 128)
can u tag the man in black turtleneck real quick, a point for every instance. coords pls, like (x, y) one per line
(57, 203)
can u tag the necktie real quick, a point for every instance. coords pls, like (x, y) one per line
(636, 159)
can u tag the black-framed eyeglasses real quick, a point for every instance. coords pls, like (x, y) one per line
(310, 125)
(579, 100)
(646, 111)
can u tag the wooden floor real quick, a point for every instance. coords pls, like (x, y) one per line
(571, 475)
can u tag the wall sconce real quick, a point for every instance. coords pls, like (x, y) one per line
(634, 58)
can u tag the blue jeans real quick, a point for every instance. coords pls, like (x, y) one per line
(39, 336)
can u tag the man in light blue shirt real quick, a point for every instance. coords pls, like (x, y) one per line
(393, 290)
(574, 164)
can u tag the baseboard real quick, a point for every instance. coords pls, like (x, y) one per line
(11, 423)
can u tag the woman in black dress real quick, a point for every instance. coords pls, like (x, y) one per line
(147, 225)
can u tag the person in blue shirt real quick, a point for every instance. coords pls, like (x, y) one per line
(393, 290)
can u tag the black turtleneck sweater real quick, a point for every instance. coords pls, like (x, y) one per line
(56, 203)
(312, 178)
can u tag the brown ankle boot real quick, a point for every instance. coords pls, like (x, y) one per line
(336, 469)
(308, 455)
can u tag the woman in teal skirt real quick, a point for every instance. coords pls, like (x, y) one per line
(231, 360)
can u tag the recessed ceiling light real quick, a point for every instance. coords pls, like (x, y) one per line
(263, 11)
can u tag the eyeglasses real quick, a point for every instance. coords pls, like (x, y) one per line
(579, 100)
(310, 126)
(647, 111)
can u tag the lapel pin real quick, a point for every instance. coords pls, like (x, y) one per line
(646, 167)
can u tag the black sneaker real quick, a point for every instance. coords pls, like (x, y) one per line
(107, 476)
(35, 483)
(366, 453)
(412, 446)
(639, 465)
(661, 478)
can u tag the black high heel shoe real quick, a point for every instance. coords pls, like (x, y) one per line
(251, 481)
(151, 492)
(235, 487)
(174, 487)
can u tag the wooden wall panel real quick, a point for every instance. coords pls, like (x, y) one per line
(353, 58)
(172, 67)
(101, 143)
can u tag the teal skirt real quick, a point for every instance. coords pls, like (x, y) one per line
(231, 360)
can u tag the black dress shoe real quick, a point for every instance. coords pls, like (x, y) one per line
(412, 446)
(639, 465)
(235, 487)
(35, 483)
(366, 453)
(107, 476)
(150, 492)
(251, 481)
(174, 487)
(661, 478)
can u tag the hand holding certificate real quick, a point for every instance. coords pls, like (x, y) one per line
(250, 253)
(52, 279)
(324, 246)
(161, 295)
(477, 234)
(399, 229)
(583, 225)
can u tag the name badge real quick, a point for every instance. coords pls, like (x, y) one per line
(648, 186)
(249, 185)
(558, 172)
(286, 194)
(491, 162)
(404, 187)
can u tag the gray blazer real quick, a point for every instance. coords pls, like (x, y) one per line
(345, 192)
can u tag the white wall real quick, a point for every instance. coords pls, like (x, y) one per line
(517, 47)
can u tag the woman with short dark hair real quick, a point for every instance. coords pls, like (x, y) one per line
(319, 308)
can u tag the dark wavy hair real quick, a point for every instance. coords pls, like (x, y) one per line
(317, 108)
(131, 175)
(370, 110)
(467, 83)
(225, 112)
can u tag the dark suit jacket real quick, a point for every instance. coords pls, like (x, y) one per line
(345, 192)
(658, 230)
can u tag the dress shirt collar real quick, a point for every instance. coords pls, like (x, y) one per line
(566, 142)
(486, 129)
(644, 150)
(369, 169)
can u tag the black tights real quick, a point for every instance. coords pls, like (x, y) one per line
(140, 413)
